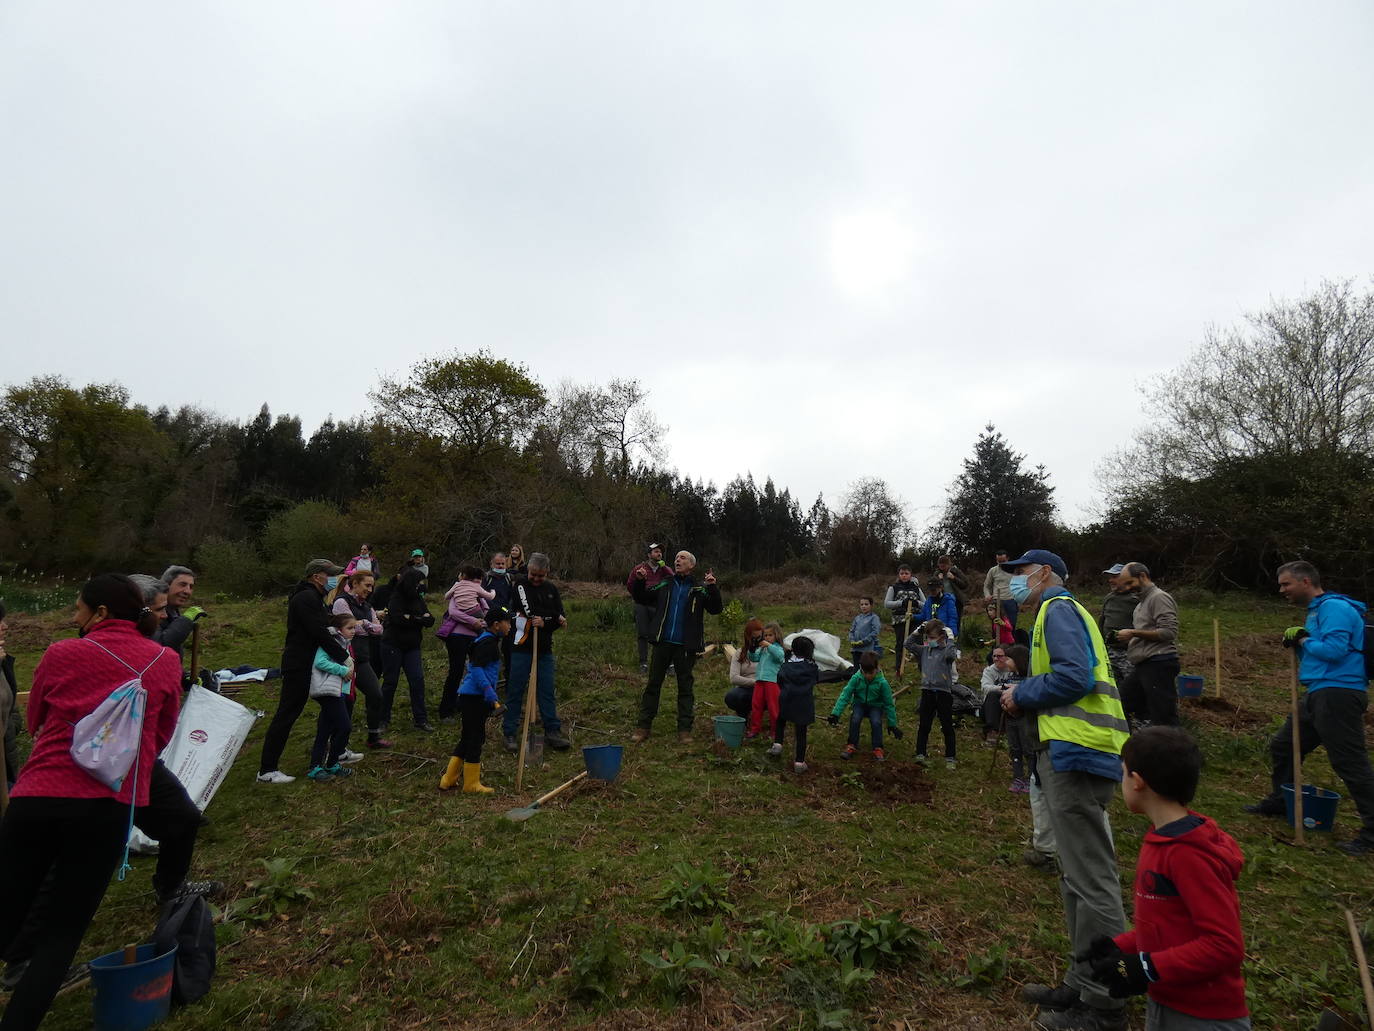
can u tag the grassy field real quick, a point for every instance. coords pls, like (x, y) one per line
(698, 890)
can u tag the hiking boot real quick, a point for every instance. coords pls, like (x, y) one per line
(512, 745)
(274, 777)
(1039, 860)
(204, 889)
(640, 735)
(1057, 997)
(1081, 1018)
(775, 750)
(318, 773)
(1268, 806)
(1356, 847)
(878, 756)
(848, 752)
(556, 740)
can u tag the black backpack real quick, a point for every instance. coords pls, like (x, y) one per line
(187, 923)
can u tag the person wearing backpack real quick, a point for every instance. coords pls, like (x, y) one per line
(1332, 666)
(61, 818)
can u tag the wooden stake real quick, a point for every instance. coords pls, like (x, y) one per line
(529, 708)
(130, 954)
(1358, 946)
(1216, 649)
(1299, 830)
(901, 649)
(195, 652)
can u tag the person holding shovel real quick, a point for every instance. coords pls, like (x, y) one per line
(680, 605)
(538, 605)
(1331, 665)
(903, 602)
(178, 621)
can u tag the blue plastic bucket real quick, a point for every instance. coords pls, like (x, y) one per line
(730, 730)
(603, 761)
(131, 996)
(1189, 687)
(1318, 806)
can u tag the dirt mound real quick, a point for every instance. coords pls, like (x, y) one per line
(889, 783)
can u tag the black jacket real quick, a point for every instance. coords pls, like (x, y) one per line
(501, 587)
(174, 630)
(797, 679)
(703, 598)
(307, 628)
(536, 600)
(407, 615)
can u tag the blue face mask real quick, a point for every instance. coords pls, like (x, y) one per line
(497, 572)
(1020, 589)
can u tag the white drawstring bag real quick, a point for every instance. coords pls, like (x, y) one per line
(105, 742)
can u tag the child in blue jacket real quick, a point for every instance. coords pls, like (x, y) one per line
(477, 699)
(864, 631)
(941, 606)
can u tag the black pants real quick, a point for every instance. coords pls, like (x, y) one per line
(474, 710)
(936, 703)
(80, 840)
(780, 730)
(331, 732)
(457, 646)
(365, 680)
(992, 712)
(740, 700)
(644, 629)
(295, 692)
(1334, 717)
(661, 656)
(394, 660)
(900, 631)
(1151, 691)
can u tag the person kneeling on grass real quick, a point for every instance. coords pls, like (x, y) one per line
(331, 684)
(477, 699)
(797, 679)
(1186, 949)
(871, 696)
(938, 655)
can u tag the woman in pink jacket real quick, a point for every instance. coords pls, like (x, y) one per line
(60, 818)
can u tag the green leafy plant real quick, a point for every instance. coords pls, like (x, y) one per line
(272, 895)
(874, 941)
(715, 942)
(730, 622)
(796, 941)
(985, 970)
(673, 968)
(595, 967)
(695, 891)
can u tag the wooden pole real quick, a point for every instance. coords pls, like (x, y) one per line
(195, 652)
(1216, 649)
(529, 708)
(901, 644)
(1363, 964)
(1299, 831)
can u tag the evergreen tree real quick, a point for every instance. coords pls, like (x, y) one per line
(996, 503)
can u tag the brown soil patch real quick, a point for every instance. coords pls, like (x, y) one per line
(889, 783)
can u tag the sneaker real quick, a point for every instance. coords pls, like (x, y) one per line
(556, 740)
(1081, 1018)
(1356, 847)
(1267, 806)
(512, 745)
(1017, 786)
(1047, 997)
(350, 757)
(774, 750)
(640, 735)
(671, 669)
(950, 763)
(340, 770)
(644, 667)
(425, 727)
(378, 742)
(878, 756)
(318, 773)
(848, 752)
(799, 767)
(274, 777)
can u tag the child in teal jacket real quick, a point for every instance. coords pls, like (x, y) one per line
(871, 696)
(331, 684)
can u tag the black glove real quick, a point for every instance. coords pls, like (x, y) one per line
(1100, 947)
(833, 720)
(1293, 635)
(896, 732)
(1123, 974)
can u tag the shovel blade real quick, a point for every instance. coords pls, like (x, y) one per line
(522, 814)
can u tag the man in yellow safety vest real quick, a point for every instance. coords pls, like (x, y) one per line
(1072, 693)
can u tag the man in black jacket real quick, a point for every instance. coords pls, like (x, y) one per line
(680, 604)
(538, 606)
(307, 628)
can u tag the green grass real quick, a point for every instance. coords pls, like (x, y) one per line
(432, 910)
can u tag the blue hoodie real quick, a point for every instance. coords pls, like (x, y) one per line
(1333, 656)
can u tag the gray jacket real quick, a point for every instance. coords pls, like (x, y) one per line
(1156, 610)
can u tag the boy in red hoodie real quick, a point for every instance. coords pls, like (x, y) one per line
(1186, 948)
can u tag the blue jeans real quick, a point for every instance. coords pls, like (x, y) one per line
(516, 685)
(393, 661)
(874, 715)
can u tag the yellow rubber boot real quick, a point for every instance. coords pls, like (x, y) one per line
(472, 779)
(451, 775)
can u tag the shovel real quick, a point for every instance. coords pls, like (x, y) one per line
(525, 812)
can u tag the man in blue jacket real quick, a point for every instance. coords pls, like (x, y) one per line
(1077, 708)
(1330, 648)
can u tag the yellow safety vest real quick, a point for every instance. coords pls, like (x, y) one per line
(1096, 720)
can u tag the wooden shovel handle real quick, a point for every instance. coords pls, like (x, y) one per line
(529, 708)
(560, 789)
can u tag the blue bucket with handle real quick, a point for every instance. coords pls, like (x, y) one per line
(132, 996)
(603, 761)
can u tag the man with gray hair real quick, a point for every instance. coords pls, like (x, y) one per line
(679, 604)
(176, 624)
(538, 607)
(1149, 694)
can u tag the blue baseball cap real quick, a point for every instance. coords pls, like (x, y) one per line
(1115, 570)
(1039, 557)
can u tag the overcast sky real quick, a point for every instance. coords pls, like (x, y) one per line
(835, 240)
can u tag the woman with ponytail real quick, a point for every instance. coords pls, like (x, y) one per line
(61, 818)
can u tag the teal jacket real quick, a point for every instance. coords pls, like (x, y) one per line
(1333, 656)
(769, 660)
(862, 691)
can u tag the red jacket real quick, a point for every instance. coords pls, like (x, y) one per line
(75, 676)
(654, 574)
(1187, 917)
